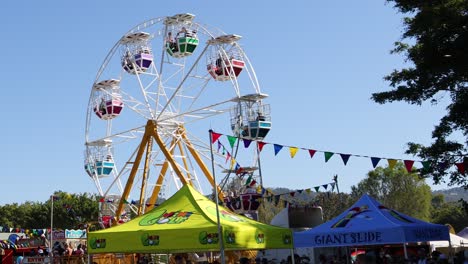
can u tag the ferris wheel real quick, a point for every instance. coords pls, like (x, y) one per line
(161, 87)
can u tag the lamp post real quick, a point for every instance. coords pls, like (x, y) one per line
(51, 244)
(220, 233)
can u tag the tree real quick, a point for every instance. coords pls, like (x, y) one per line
(333, 204)
(438, 55)
(397, 189)
(451, 213)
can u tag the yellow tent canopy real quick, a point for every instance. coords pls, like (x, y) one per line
(186, 222)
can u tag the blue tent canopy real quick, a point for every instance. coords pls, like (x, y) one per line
(368, 222)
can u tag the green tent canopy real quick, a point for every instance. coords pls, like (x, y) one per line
(186, 222)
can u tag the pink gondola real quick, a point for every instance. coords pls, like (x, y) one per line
(109, 109)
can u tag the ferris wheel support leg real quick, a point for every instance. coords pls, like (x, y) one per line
(144, 142)
(201, 164)
(157, 188)
(142, 202)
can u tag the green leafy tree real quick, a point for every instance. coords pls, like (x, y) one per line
(333, 204)
(74, 210)
(435, 42)
(71, 211)
(451, 213)
(268, 209)
(397, 189)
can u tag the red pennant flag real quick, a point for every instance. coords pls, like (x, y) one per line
(460, 167)
(260, 145)
(292, 194)
(409, 165)
(101, 200)
(252, 183)
(312, 152)
(214, 137)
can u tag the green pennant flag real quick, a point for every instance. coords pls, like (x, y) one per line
(317, 188)
(328, 155)
(426, 165)
(247, 182)
(232, 140)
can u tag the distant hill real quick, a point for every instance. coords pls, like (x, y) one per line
(450, 195)
(453, 194)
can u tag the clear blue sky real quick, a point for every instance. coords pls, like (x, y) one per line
(318, 60)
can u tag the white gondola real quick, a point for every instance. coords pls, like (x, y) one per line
(137, 56)
(108, 103)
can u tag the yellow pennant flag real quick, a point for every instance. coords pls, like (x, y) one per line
(308, 191)
(233, 163)
(293, 151)
(392, 163)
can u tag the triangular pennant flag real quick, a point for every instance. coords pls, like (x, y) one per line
(375, 161)
(252, 183)
(460, 167)
(249, 179)
(333, 186)
(228, 156)
(391, 163)
(214, 137)
(292, 194)
(260, 145)
(293, 151)
(232, 140)
(426, 165)
(125, 201)
(299, 191)
(328, 155)
(308, 190)
(312, 152)
(325, 186)
(259, 189)
(277, 148)
(409, 165)
(345, 158)
(246, 142)
(317, 188)
(233, 162)
(219, 145)
(277, 198)
(442, 165)
(101, 200)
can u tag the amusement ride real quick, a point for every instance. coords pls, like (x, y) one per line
(161, 87)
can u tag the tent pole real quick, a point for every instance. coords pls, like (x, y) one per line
(293, 261)
(406, 252)
(220, 233)
(451, 251)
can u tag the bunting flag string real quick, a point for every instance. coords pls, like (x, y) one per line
(270, 196)
(426, 165)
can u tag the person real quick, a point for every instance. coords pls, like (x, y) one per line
(67, 251)
(244, 260)
(78, 251)
(322, 259)
(422, 256)
(172, 43)
(19, 260)
(40, 251)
